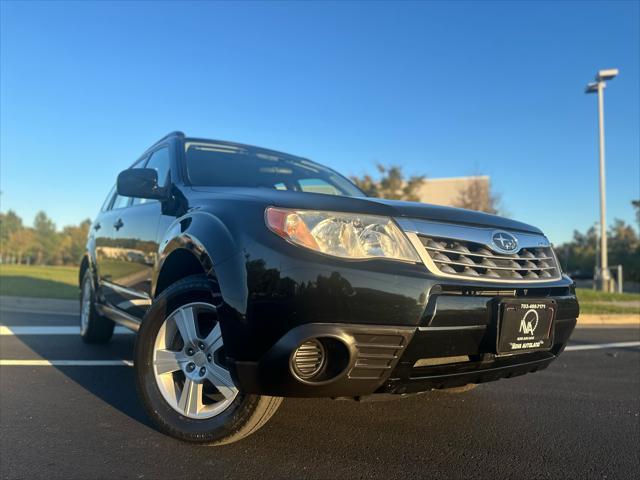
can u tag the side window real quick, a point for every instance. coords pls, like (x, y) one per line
(107, 201)
(160, 161)
(120, 202)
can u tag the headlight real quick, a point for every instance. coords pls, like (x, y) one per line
(343, 235)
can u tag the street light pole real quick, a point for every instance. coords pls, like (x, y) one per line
(598, 87)
(604, 257)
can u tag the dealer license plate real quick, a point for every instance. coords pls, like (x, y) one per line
(525, 326)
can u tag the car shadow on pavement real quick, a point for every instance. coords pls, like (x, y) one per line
(114, 385)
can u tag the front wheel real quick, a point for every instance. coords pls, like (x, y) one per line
(181, 371)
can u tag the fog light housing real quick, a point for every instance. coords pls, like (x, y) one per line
(309, 359)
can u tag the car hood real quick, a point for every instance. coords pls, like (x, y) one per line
(366, 205)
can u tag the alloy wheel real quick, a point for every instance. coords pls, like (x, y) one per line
(85, 305)
(189, 362)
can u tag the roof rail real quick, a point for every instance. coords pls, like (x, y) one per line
(176, 133)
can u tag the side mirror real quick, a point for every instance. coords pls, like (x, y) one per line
(140, 183)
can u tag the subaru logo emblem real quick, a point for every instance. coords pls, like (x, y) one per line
(504, 242)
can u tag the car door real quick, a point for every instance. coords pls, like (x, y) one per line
(109, 251)
(100, 233)
(136, 237)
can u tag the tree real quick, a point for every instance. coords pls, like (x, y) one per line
(580, 253)
(73, 242)
(22, 243)
(624, 249)
(392, 184)
(46, 237)
(477, 195)
(636, 205)
(42, 244)
(10, 222)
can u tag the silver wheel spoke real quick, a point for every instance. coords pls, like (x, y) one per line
(214, 339)
(86, 306)
(193, 361)
(167, 361)
(185, 319)
(190, 401)
(221, 380)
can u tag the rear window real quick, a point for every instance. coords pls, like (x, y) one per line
(210, 164)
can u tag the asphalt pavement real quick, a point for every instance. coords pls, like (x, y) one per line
(69, 410)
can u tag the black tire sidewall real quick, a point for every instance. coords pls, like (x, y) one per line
(215, 429)
(99, 328)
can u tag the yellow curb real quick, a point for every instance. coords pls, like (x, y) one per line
(619, 319)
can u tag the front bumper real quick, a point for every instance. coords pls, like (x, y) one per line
(452, 345)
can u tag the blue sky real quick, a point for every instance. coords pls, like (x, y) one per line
(443, 89)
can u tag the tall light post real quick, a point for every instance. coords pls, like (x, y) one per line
(598, 87)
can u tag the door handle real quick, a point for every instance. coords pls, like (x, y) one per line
(97, 226)
(119, 224)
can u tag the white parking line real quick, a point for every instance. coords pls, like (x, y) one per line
(51, 330)
(599, 346)
(66, 363)
(38, 312)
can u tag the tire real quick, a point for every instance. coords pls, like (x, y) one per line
(182, 401)
(94, 328)
(463, 389)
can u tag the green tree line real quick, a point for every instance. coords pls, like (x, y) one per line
(581, 253)
(42, 244)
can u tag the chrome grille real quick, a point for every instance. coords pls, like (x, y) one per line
(460, 258)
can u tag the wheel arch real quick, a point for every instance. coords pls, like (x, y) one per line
(85, 264)
(200, 243)
(178, 264)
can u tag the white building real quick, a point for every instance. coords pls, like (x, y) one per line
(447, 191)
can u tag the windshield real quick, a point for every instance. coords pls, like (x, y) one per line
(223, 165)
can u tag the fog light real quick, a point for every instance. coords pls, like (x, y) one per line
(309, 359)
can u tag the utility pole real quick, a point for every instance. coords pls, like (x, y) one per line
(598, 87)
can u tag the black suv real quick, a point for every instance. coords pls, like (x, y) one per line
(252, 275)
